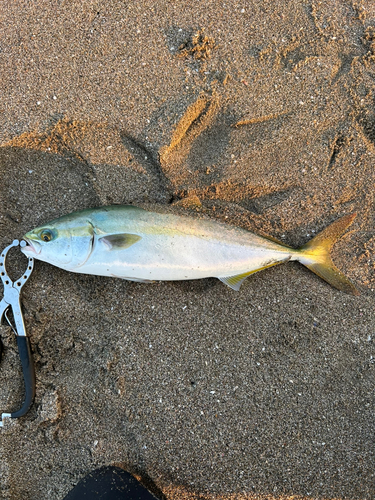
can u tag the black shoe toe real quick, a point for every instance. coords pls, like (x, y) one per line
(109, 483)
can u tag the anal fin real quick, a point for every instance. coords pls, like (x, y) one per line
(236, 280)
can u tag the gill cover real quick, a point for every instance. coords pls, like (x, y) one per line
(64, 243)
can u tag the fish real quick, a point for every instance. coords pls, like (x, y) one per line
(136, 244)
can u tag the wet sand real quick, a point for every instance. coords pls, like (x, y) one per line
(259, 114)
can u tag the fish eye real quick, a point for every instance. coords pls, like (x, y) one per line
(46, 235)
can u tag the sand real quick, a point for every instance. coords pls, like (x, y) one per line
(259, 114)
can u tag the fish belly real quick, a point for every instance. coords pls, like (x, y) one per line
(160, 257)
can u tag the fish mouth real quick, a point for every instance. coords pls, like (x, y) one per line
(31, 247)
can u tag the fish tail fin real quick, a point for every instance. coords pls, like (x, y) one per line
(316, 255)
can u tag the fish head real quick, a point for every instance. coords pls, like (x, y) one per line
(65, 242)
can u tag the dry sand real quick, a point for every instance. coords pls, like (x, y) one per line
(257, 113)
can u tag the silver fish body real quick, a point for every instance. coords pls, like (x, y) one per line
(135, 244)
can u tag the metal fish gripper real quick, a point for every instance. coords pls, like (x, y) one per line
(12, 300)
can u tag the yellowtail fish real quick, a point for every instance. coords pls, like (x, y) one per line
(135, 244)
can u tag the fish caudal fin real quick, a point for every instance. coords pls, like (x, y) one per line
(316, 255)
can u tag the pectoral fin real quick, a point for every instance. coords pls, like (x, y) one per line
(236, 281)
(119, 241)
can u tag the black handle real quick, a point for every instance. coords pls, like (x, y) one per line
(28, 375)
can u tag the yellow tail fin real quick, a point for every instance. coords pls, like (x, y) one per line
(316, 255)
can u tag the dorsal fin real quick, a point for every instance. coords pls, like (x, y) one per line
(279, 242)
